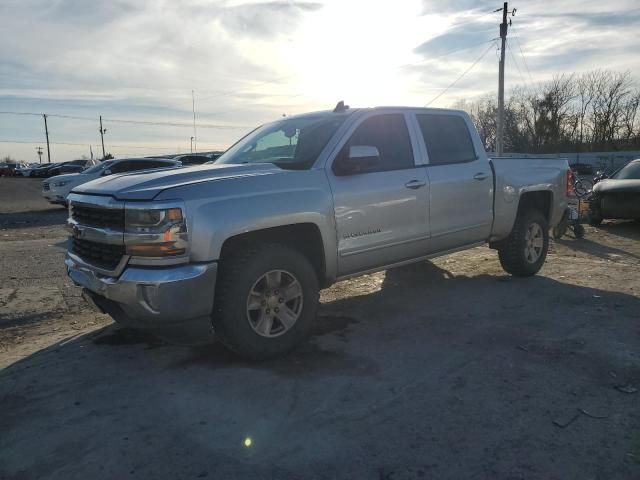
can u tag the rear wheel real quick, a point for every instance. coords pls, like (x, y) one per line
(524, 251)
(266, 300)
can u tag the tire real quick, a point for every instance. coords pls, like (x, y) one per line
(582, 187)
(240, 320)
(514, 252)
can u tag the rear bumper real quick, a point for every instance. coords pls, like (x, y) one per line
(176, 302)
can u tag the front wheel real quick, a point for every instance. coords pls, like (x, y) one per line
(524, 251)
(266, 300)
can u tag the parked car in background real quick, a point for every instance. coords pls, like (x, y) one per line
(25, 169)
(192, 159)
(73, 166)
(239, 249)
(56, 189)
(42, 170)
(198, 158)
(7, 169)
(617, 196)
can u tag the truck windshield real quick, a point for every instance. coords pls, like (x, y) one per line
(290, 144)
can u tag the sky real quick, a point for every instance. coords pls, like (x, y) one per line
(244, 63)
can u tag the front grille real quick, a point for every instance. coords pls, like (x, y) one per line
(45, 187)
(99, 254)
(98, 216)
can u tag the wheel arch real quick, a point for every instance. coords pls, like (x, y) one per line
(306, 238)
(541, 200)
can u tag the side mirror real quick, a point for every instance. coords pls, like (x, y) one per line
(106, 172)
(361, 159)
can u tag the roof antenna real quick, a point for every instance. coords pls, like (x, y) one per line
(340, 107)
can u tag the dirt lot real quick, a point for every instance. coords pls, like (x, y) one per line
(450, 369)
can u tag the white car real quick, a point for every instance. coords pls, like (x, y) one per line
(26, 169)
(56, 189)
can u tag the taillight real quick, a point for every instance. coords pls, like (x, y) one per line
(569, 182)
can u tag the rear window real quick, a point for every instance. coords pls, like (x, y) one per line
(447, 139)
(629, 172)
(194, 160)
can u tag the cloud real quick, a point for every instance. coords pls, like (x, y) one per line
(265, 19)
(448, 6)
(457, 38)
(606, 19)
(251, 61)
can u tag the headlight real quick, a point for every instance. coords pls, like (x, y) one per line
(60, 184)
(155, 232)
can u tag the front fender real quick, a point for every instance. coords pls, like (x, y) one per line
(217, 211)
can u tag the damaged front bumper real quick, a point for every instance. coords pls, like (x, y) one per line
(176, 302)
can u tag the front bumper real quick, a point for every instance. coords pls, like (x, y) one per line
(53, 196)
(175, 302)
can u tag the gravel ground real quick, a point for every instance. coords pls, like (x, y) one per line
(445, 369)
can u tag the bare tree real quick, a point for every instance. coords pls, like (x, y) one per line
(596, 110)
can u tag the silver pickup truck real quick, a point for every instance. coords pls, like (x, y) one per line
(239, 249)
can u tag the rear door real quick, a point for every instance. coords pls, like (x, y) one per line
(381, 213)
(461, 182)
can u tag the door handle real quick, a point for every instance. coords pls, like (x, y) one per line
(413, 184)
(480, 176)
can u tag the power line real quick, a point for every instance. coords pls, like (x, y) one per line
(89, 143)
(450, 52)
(524, 59)
(22, 113)
(460, 77)
(137, 122)
(520, 74)
(473, 20)
(175, 124)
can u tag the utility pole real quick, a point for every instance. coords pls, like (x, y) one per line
(46, 131)
(102, 132)
(193, 106)
(500, 120)
(192, 144)
(39, 151)
(91, 152)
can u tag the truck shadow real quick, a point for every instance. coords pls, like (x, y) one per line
(620, 228)
(415, 295)
(597, 249)
(412, 345)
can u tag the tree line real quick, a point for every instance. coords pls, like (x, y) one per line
(589, 112)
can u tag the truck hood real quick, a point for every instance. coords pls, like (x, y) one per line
(613, 185)
(146, 185)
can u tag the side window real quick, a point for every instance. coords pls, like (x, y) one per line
(447, 139)
(155, 164)
(389, 134)
(119, 167)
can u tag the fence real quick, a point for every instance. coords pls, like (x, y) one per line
(598, 160)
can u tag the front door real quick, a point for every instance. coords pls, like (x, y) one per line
(381, 212)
